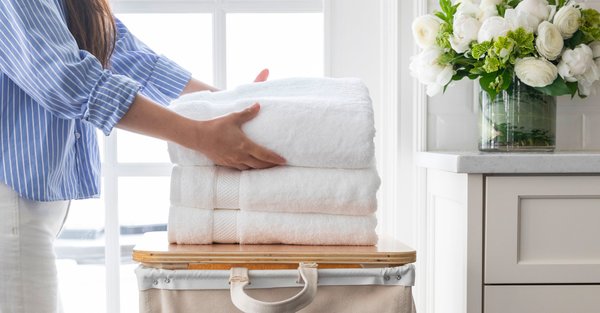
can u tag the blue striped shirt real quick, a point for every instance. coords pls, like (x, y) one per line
(53, 96)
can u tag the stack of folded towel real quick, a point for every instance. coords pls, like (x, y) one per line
(325, 195)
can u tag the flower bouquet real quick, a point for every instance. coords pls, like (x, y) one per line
(523, 52)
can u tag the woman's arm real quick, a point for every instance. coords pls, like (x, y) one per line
(196, 85)
(39, 54)
(220, 139)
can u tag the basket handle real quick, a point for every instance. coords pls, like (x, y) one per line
(239, 279)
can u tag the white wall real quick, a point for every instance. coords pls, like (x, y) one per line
(368, 39)
(452, 117)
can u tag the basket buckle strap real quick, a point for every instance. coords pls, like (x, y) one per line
(238, 275)
(238, 279)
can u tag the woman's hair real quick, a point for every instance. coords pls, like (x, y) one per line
(93, 26)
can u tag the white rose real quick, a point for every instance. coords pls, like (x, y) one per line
(567, 19)
(539, 11)
(426, 68)
(465, 29)
(586, 81)
(488, 3)
(596, 86)
(425, 29)
(536, 72)
(521, 19)
(552, 13)
(492, 28)
(549, 42)
(487, 12)
(575, 62)
(468, 7)
(595, 46)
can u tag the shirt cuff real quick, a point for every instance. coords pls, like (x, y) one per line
(169, 78)
(110, 100)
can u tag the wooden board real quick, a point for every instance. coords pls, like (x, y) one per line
(155, 251)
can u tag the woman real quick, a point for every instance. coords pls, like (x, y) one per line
(66, 68)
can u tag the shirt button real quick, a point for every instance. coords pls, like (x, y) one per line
(77, 135)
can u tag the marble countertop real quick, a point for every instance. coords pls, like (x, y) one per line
(507, 163)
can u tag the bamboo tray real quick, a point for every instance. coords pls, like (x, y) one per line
(155, 251)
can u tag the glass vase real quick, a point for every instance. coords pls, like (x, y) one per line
(520, 119)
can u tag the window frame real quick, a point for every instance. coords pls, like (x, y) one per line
(387, 26)
(112, 169)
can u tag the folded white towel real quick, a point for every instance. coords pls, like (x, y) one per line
(199, 226)
(312, 122)
(279, 189)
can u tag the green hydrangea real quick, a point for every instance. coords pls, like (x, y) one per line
(446, 15)
(492, 64)
(503, 49)
(443, 37)
(478, 50)
(503, 52)
(524, 42)
(590, 25)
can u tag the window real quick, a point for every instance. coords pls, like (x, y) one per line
(223, 42)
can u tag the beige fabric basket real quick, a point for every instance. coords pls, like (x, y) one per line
(306, 290)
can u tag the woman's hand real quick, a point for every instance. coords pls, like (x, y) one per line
(195, 85)
(226, 144)
(222, 140)
(262, 76)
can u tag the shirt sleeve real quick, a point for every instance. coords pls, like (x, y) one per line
(38, 53)
(162, 80)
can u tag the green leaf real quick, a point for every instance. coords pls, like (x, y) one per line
(558, 88)
(448, 11)
(560, 4)
(505, 5)
(507, 77)
(573, 88)
(501, 9)
(440, 15)
(557, 3)
(460, 74)
(513, 3)
(486, 82)
(477, 68)
(445, 4)
(447, 58)
(456, 59)
(576, 40)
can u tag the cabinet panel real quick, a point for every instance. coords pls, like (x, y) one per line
(559, 230)
(542, 229)
(546, 299)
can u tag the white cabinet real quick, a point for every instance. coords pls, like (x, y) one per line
(542, 299)
(542, 229)
(521, 239)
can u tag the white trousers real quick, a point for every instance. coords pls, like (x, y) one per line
(28, 278)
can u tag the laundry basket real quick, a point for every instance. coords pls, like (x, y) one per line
(259, 279)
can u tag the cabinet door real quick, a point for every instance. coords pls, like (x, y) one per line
(546, 299)
(542, 229)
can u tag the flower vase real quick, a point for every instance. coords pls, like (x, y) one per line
(520, 119)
